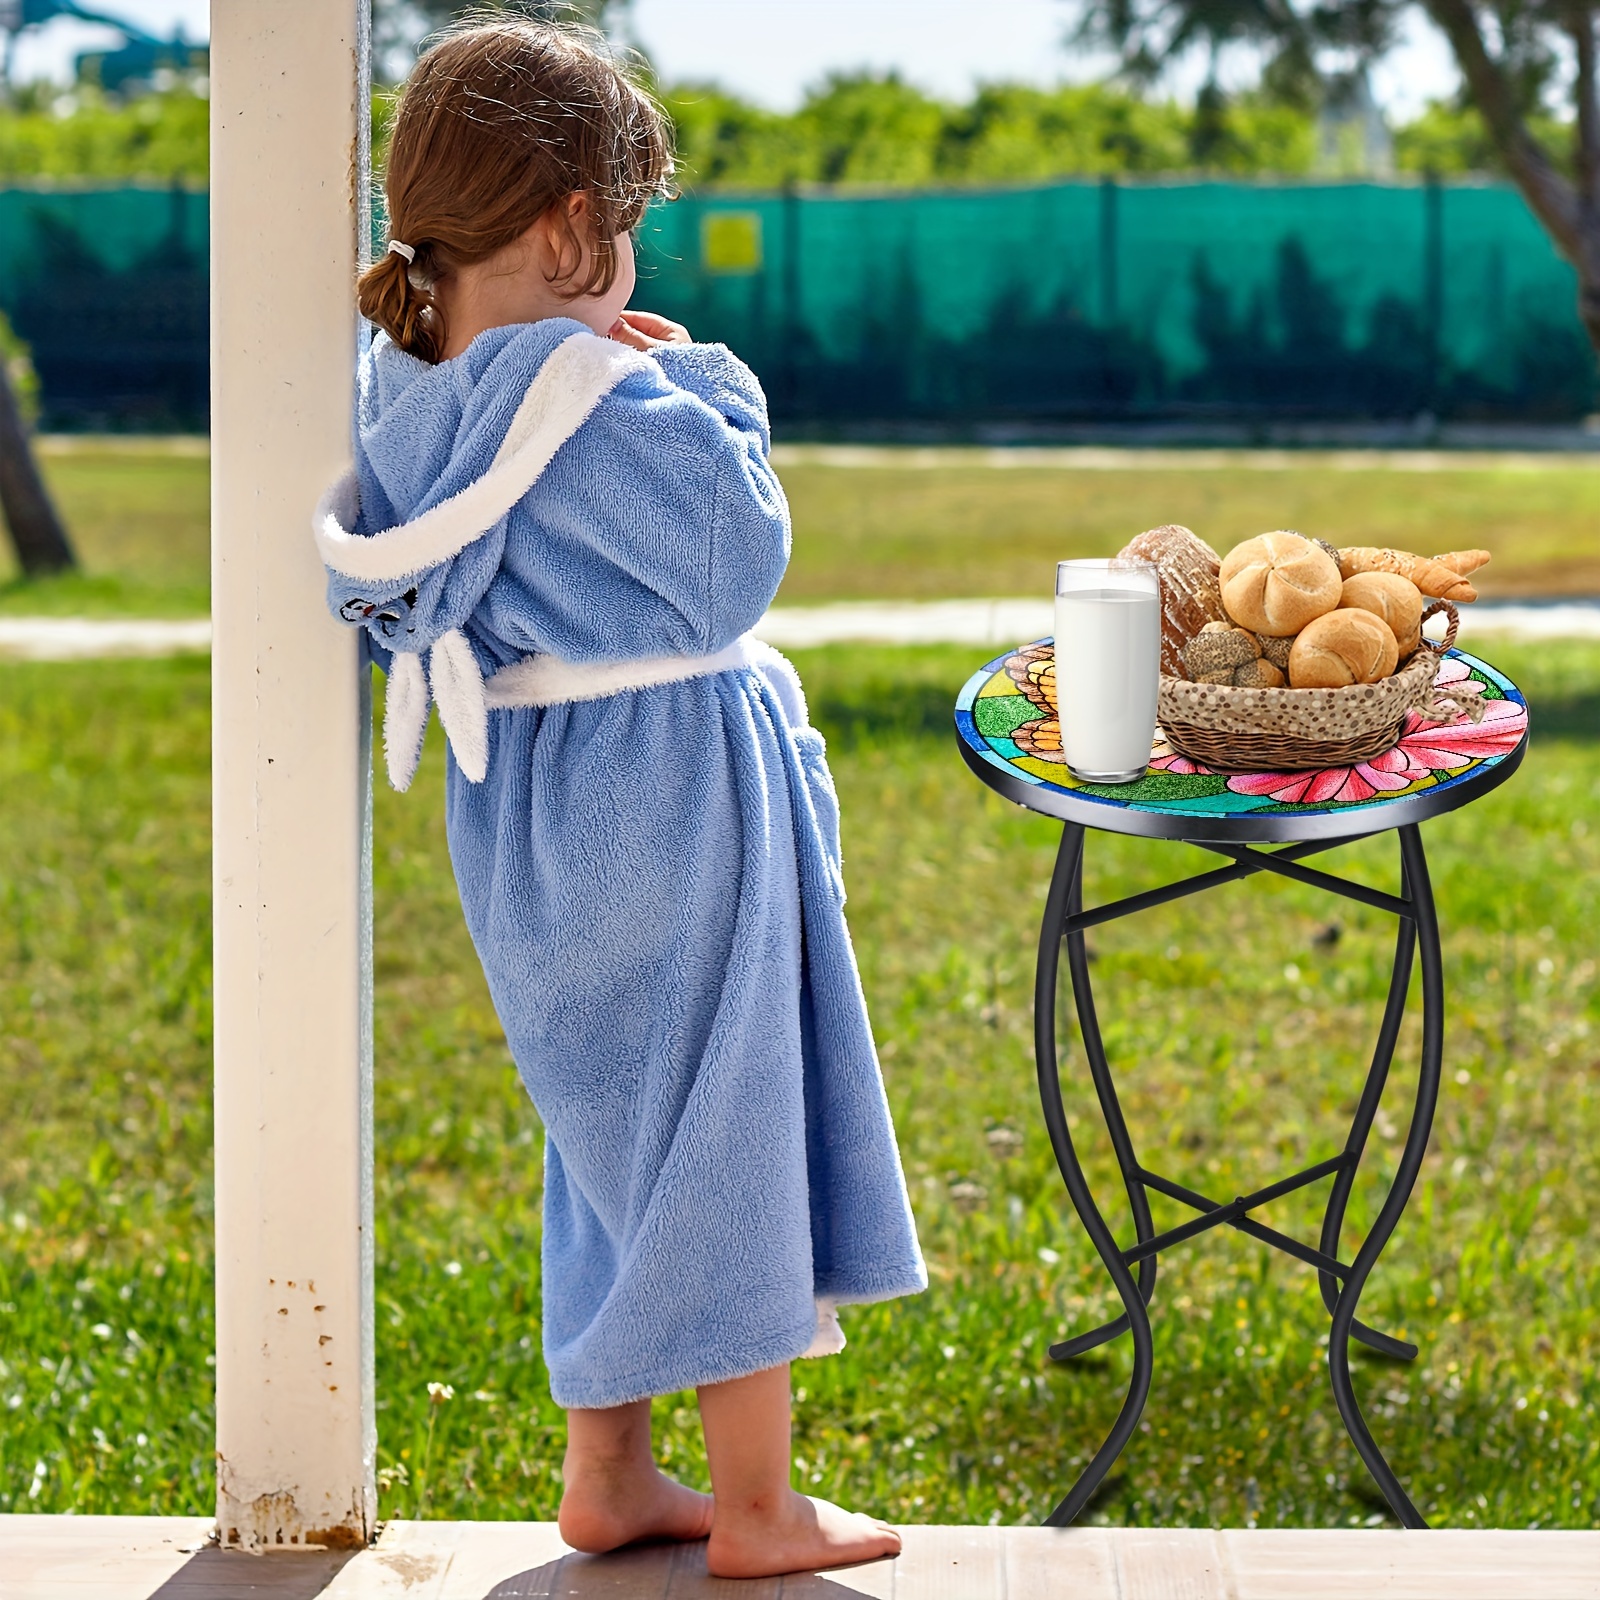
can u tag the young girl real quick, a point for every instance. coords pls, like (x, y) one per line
(560, 526)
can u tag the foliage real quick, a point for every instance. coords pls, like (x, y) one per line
(854, 128)
(399, 27)
(18, 364)
(876, 129)
(1249, 1017)
(161, 137)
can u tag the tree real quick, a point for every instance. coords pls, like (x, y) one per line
(399, 26)
(36, 532)
(1520, 60)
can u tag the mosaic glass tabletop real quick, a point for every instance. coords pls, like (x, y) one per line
(1010, 737)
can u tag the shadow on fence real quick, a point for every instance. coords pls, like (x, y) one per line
(1064, 302)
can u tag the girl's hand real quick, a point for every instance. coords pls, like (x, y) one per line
(644, 330)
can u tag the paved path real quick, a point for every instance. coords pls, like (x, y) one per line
(980, 623)
(1119, 458)
(164, 1558)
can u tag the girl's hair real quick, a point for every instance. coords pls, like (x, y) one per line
(500, 124)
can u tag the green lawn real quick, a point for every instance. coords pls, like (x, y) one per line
(1243, 1033)
(139, 519)
(138, 514)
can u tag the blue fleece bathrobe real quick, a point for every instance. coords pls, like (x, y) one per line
(650, 875)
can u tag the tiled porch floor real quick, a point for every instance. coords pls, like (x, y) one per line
(163, 1558)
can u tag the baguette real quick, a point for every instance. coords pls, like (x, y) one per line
(1466, 562)
(1433, 578)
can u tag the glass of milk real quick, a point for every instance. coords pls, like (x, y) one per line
(1108, 666)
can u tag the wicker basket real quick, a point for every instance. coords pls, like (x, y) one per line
(1301, 730)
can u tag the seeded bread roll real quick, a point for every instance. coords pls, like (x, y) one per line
(1396, 600)
(1340, 648)
(1257, 675)
(1189, 594)
(1275, 650)
(1277, 583)
(1219, 647)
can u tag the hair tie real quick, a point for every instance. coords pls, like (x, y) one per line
(403, 250)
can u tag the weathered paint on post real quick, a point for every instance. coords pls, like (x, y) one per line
(291, 814)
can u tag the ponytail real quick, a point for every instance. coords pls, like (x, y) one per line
(399, 303)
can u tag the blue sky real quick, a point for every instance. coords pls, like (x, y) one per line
(771, 50)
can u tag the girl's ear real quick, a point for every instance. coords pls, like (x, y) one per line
(565, 233)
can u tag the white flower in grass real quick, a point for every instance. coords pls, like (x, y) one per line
(101, 1330)
(438, 1393)
(452, 1269)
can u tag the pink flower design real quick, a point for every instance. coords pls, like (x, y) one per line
(1173, 762)
(1424, 748)
(1163, 758)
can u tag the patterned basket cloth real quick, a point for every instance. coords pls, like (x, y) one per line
(1304, 730)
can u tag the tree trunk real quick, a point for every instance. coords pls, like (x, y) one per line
(36, 532)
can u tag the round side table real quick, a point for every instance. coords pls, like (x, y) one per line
(1009, 736)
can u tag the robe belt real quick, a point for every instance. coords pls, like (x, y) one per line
(452, 679)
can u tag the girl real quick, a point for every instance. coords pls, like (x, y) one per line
(560, 526)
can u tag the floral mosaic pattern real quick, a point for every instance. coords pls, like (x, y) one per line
(1006, 714)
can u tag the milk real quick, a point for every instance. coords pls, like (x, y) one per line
(1108, 662)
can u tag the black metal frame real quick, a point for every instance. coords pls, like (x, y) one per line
(1065, 921)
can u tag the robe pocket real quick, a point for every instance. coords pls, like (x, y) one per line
(812, 750)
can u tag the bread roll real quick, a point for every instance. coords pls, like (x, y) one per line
(1190, 597)
(1275, 650)
(1257, 675)
(1277, 583)
(1340, 648)
(1396, 600)
(1218, 647)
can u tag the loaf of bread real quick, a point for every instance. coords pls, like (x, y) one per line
(1340, 648)
(1466, 562)
(1397, 600)
(1190, 597)
(1436, 579)
(1277, 583)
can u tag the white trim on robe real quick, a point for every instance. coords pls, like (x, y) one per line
(576, 376)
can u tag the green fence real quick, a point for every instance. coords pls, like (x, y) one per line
(108, 286)
(1066, 301)
(1082, 300)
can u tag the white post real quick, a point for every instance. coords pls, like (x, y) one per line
(291, 813)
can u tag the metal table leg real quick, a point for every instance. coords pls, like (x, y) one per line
(1064, 922)
(1064, 886)
(1426, 925)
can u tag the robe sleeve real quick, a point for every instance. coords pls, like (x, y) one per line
(414, 610)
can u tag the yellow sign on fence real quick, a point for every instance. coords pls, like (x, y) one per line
(730, 241)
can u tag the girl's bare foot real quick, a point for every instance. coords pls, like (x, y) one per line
(607, 1505)
(795, 1534)
(615, 1495)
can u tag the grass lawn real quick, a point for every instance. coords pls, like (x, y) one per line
(1242, 1022)
(139, 519)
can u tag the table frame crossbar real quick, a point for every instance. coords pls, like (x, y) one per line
(1133, 1268)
